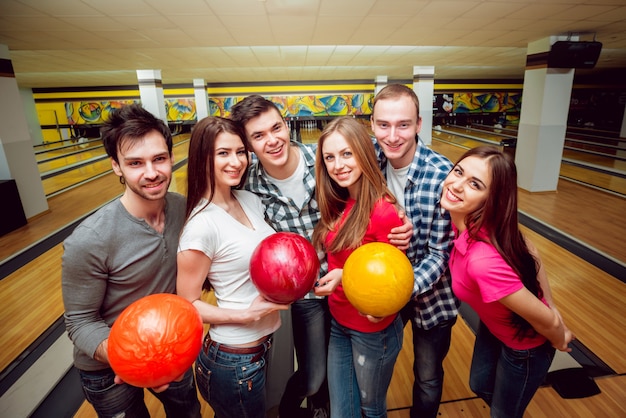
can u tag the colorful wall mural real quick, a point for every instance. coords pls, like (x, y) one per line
(303, 106)
(181, 110)
(92, 112)
(184, 109)
(498, 102)
(458, 107)
(87, 113)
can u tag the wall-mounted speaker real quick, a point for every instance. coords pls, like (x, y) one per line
(569, 54)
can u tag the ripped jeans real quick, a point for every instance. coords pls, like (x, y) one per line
(360, 367)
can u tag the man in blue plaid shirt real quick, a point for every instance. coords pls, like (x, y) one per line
(415, 174)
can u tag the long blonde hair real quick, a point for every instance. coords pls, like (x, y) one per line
(332, 198)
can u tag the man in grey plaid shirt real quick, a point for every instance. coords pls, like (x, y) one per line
(415, 174)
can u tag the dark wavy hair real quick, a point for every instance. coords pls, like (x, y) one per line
(201, 161)
(128, 124)
(498, 220)
(251, 107)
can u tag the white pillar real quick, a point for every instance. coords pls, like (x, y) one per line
(380, 82)
(424, 87)
(17, 158)
(543, 120)
(32, 119)
(151, 92)
(202, 99)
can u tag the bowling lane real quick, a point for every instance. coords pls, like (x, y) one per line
(485, 135)
(63, 181)
(66, 151)
(603, 161)
(613, 183)
(605, 173)
(584, 153)
(310, 136)
(82, 173)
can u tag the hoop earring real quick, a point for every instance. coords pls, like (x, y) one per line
(122, 181)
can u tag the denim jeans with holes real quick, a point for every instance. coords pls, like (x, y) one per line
(360, 367)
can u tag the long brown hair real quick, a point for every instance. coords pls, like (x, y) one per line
(498, 219)
(332, 198)
(201, 162)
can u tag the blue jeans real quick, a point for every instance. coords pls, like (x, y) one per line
(233, 384)
(360, 367)
(430, 348)
(311, 323)
(110, 400)
(506, 379)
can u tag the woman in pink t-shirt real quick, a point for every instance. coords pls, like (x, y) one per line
(356, 207)
(498, 273)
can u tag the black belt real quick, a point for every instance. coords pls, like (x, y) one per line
(259, 349)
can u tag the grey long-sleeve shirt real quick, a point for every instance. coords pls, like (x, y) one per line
(111, 260)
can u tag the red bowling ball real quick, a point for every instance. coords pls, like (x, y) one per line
(155, 340)
(284, 267)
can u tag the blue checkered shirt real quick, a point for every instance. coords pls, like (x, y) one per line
(280, 211)
(431, 243)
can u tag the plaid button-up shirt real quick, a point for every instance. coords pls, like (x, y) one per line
(430, 246)
(280, 211)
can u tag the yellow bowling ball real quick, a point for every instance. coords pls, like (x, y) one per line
(378, 279)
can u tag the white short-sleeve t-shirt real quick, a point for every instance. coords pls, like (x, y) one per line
(230, 244)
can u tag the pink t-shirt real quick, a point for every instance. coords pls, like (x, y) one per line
(383, 218)
(480, 278)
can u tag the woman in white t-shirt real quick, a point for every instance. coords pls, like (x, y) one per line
(223, 227)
